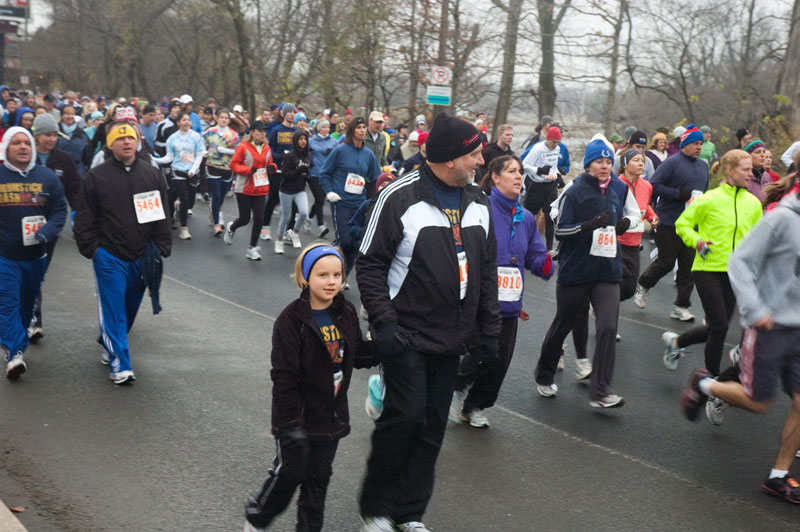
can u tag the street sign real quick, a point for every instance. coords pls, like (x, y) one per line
(441, 75)
(438, 95)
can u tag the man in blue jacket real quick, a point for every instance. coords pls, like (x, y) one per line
(676, 182)
(32, 212)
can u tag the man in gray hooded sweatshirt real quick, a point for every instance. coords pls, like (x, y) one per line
(765, 274)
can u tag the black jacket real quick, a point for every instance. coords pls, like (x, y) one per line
(302, 372)
(61, 163)
(296, 166)
(106, 215)
(407, 268)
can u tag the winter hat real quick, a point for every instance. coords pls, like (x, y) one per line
(628, 155)
(596, 149)
(44, 123)
(451, 138)
(120, 131)
(678, 131)
(383, 178)
(288, 108)
(705, 129)
(126, 113)
(741, 133)
(148, 109)
(629, 131)
(422, 137)
(659, 136)
(7, 136)
(299, 116)
(321, 123)
(692, 134)
(554, 133)
(638, 137)
(546, 119)
(754, 145)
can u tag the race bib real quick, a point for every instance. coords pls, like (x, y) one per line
(462, 274)
(354, 184)
(260, 177)
(695, 194)
(187, 156)
(30, 225)
(509, 283)
(604, 242)
(148, 207)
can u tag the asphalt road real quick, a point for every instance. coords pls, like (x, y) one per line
(182, 448)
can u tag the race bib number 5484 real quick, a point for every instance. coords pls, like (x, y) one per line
(148, 207)
(30, 226)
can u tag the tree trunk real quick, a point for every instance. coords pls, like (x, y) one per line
(611, 98)
(790, 75)
(548, 25)
(513, 12)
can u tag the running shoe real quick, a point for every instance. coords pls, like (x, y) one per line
(189, 212)
(640, 297)
(279, 247)
(35, 334)
(412, 526)
(692, 398)
(609, 401)
(671, 353)
(681, 313)
(619, 338)
(206, 197)
(228, 236)
(477, 419)
(787, 488)
(265, 235)
(253, 254)
(250, 528)
(16, 366)
(456, 414)
(583, 368)
(735, 354)
(548, 390)
(122, 377)
(560, 365)
(185, 234)
(104, 358)
(377, 524)
(294, 236)
(715, 411)
(322, 230)
(307, 227)
(218, 230)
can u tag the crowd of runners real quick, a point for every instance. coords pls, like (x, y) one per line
(427, 218)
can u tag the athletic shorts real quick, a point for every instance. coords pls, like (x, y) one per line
(768, 356)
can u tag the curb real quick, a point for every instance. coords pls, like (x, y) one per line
(8, 521)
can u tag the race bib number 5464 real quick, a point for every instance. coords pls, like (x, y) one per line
(148, 207)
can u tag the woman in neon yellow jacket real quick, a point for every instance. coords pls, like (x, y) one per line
(723, 216)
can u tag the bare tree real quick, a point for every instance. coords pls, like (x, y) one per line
(513, 11)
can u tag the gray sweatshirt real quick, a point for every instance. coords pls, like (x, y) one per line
(765, 269)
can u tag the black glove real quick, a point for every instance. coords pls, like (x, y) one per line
(271, 171)
(622, 225)
(685, 194)
(387, 342)
(293, 438)
(543, 170)
(601, 220)
(490, 346)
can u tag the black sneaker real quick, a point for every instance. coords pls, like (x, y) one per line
(692, 398)
(786, 488)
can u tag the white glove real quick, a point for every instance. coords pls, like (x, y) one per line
(333, 197)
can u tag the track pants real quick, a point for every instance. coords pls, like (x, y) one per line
(119, 294)
(342, 215)
(486, 384)
(248, 204)
(37, 305)
(20, 282)
(182, 190)
(719, 303)
(308, 466)
(671, 248)
(408, 435)
(604, 297)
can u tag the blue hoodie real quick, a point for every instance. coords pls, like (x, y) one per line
(320, 149)
(343, 160)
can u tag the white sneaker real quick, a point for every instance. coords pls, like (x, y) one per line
(560, 365)
(294, 236)
(640, 296)
(377, 524)
(412, 526)
(715, 411)
(265, 233)
(279, 247)
(547, 391)
(122, 377)
(189, 212)
(104, 358)
(477, 419)
(250, 528)
(35, 334)
(218, 230)
(253, 254)
(185, 234)
(307, 227)
(609, 401)
(228, 236)
(16, 366)
(456, 414)
(681, 313)
(672, 354)
(322, 230)
(583, 368)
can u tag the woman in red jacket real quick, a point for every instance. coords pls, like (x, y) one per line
(249, 164)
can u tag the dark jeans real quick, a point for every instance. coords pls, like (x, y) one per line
(538, 197)
(274, 197)
(630, 271)
(604, 297)
(487, 382)
(219, 182)
(671, 248)
(248, 204)
(719, 303)
(408, 435)
(319, 200)
(308, 466)
(342, 215)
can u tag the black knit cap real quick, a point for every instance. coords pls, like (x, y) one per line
(451, 138)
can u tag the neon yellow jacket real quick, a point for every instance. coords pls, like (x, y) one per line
(723, 215)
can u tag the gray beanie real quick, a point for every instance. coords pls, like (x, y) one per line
(44, 123)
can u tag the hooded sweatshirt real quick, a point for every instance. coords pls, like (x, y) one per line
(765, 268)
(320, 147)
(33, 191)
(296, 166)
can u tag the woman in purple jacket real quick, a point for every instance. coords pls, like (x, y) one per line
(519, 246)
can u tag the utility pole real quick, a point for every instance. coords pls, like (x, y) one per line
(442, 49)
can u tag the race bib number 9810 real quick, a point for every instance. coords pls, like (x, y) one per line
(509, 283)
(148, 207)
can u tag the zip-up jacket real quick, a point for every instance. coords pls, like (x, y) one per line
(296, 166)
(164, 130)
(408, 271)
(642, 192)
(106, 213)
(61, 163)
(581, 203)
(320, 148)
(246, 160)
(378, 147)
(302, 371)
(723, 215)
(346, 159)
(677, 172)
